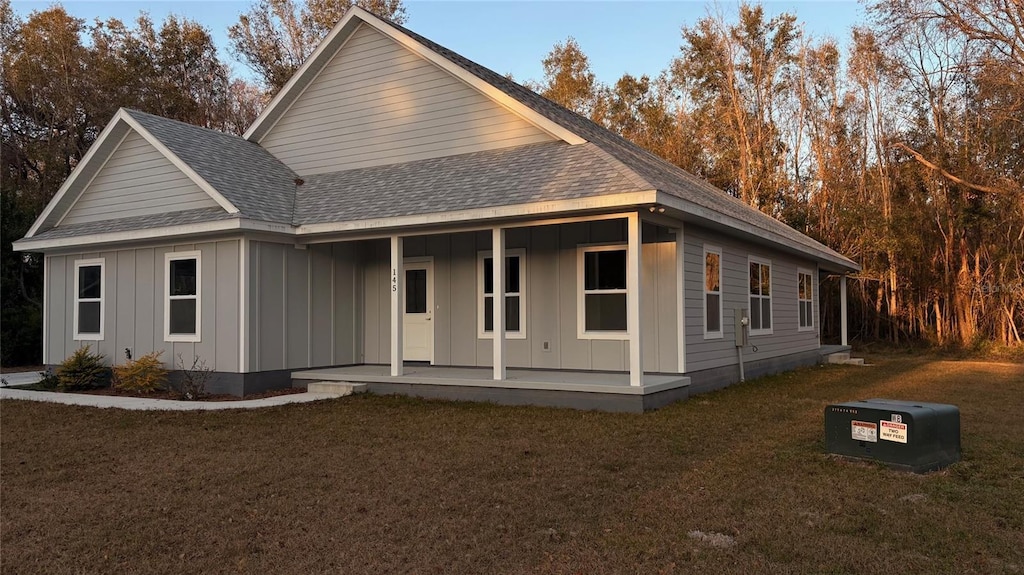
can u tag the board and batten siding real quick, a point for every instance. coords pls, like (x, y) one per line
(304, 305)
(786, 338)
(378, 103)
(137, 180)
(134, 305)
(551, 299)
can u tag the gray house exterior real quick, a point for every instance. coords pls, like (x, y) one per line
(351, 235)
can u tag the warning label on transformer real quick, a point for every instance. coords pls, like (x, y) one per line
(893, 431)
(864, 431)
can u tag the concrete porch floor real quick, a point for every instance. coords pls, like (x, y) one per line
(583, 381)
(558, 388)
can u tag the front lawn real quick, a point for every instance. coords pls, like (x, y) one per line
(386, 484)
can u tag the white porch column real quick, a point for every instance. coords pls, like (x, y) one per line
(636, 370)
(498, 293)
(397, 301)
(842, 309)
(680, 299)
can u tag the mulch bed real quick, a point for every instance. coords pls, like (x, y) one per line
(212, 397)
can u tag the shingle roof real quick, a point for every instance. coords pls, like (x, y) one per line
(263, 188)
(521, 175)
(251, 178)
(163, 220)
(662, 175)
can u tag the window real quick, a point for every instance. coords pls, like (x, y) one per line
(89, 289)
(515, 291)
(760, 296)
(712, 292)
(183, 291)
(805, 299)
(602, 302)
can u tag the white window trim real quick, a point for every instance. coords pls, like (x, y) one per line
(581, 323)
(771, 293)
(101, 262)
(709, 249)
(814, 290)
(481, 256)
(178, 337)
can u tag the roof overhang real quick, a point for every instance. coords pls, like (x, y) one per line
(689, 211)
(340, 34)
(170, 233)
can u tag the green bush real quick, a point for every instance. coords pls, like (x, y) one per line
(143, 375)
(82, 370)
(48, 380)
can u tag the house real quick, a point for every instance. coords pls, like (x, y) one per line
(351, 235)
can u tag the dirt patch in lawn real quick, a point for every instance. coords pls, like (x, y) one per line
(731, 482)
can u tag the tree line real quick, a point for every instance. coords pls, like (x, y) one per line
(902, 150)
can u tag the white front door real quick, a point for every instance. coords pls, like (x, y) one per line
(419, 311)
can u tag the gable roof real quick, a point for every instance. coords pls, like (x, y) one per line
(96, 157)
(257, 183)
(250, 182)
(657, 172)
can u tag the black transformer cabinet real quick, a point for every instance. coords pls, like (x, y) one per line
(905, 435)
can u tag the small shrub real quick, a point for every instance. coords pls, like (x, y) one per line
(48, 380)
(143, 375)
(193, 379)
(82, 370)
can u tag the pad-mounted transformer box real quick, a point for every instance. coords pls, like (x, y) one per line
(906, 435)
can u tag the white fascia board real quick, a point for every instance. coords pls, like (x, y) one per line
(484, 214)
(253, 133)
(166, 232)
(701, 212)
(178, 163)
(77, 172)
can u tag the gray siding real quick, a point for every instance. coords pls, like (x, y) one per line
(303, 304)
(785, 337)
(134, 305)
(137, 180)
(551, 300)
(377, 103)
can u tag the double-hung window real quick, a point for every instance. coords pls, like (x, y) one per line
(89, 287)
(515, 294)
(805, 299)
(712, 292)
(602, 298)
(760, 296)
(182, 296)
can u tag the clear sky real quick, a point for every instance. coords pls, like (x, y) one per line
(514, 36)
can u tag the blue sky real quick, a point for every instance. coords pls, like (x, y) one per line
(514, 36)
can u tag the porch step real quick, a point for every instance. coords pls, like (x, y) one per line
(843, 358)
(335, 388)
(840, 357)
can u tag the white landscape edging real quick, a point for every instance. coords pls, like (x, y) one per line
(145, 404)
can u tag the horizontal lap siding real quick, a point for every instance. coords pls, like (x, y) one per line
(137, 180)
(785, 337)
(377, 103)
(134, 306)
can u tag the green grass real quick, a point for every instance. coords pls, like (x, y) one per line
(387, 484)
